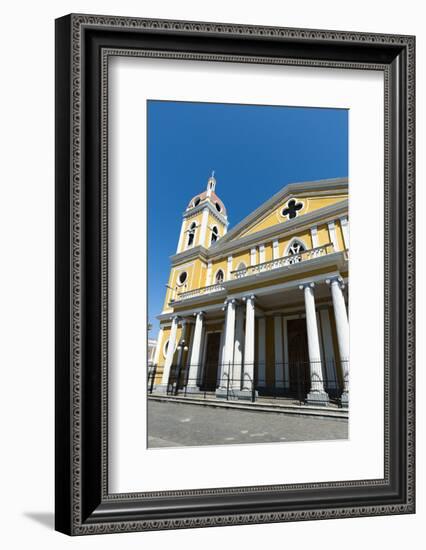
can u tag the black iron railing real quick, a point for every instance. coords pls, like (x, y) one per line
(293, 379)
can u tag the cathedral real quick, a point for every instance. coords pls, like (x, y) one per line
(261, 309)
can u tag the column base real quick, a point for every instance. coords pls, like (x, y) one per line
(344, 400)
(317, 398)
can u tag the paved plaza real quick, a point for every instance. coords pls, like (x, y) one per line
(182, 424)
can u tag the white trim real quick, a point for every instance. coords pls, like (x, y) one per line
(314, 236)
(275, 250)
(261, 253)
(228, 268)
(333, 235)
(253, 255)
(181, 237)
(209, 273)
(292, 241)
(344, 224)
(285, 205)
(203, 232)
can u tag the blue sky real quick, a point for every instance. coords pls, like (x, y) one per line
(255, 150)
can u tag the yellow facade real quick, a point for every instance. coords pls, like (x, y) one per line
(258, 273)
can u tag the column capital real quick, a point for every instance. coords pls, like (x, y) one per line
(250, 297)
(336, 279)
(200, 314)
(306, 285)
(228, 301)
(176, 318)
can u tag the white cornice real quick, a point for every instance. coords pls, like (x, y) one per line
(336, 184)
(222, 249)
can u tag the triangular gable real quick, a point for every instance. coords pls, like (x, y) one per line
(308, 197)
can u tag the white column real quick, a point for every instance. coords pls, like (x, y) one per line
(278, 346)
(236, 369)
(248, 383)
(314, 236)
(229, 268)
(170, 351)
(345, 230)
(261, 253)
(228, 351)
(342, 329)
(317, 394)
(333, 235)
(275, 250)
(195, 361)
(253, 256)
(203, 228)
(261, 353)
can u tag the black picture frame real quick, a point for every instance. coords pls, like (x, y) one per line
(83, 44)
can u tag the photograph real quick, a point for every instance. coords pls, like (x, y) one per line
(248, 273)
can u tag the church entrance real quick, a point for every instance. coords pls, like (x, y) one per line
(298, 356)
(209, 381)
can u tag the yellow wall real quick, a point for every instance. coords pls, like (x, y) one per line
(309, 205)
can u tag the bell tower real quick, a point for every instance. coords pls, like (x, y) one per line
(205, 219)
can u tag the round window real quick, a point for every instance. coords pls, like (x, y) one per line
(182, 277)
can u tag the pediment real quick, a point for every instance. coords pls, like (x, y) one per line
(293, 200)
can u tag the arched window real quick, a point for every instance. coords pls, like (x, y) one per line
(182, 277)
(215, 234)
(191, 234)
(294, 252)
(219, 277)
(241, 265)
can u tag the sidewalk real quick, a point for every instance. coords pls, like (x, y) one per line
(262, 404)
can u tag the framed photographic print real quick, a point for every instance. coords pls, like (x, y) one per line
(234, 274)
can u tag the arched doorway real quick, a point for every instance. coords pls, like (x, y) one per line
(298, 357)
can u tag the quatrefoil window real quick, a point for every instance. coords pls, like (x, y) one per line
(292, 209)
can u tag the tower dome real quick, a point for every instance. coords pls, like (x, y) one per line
(210, 196)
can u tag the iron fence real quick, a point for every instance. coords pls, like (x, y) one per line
(294, 379)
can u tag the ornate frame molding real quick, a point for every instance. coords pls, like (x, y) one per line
(83, 504)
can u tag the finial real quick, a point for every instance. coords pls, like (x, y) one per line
(211, 184)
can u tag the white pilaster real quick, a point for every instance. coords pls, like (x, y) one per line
(209, 273)
(261, 347)
(229, 268)
(253, 256)
(342, 329)
(203, 228)
(181, 237)
(317, 393)
(278, 347)
(228, 351)
(236, 371)
(333, 235)
(170, 351)
(345, 230)
(248, 383)
(195, 361)
(261, 253)
(314, 236)
(275, 250)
